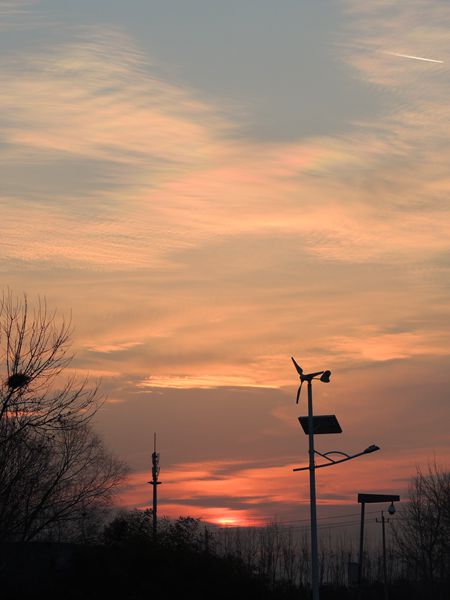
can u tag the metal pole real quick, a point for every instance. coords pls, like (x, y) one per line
(361, 551)
(155, 509)
(312, 495)
(154, 482)
(384, 557)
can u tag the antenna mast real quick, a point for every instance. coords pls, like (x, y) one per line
(154, 482)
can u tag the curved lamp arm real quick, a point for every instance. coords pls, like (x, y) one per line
(332, 462)
(326, 455)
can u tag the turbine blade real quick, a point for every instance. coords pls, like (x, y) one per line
(297, 366)
(298, 393)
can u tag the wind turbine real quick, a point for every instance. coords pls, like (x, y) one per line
(324, 376)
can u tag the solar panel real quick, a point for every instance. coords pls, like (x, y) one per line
(322, 424)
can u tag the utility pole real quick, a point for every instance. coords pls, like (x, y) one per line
(154, 482)
(361, 550)
(383, 521)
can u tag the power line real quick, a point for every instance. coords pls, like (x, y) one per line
(295, 522)
(349, 515)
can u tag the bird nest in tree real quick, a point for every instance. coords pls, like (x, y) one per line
(17, 380)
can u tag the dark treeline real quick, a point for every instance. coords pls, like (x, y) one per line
(124, 562)
(98, 553)
(117, 557)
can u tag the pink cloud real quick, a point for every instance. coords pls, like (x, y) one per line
(230, 493)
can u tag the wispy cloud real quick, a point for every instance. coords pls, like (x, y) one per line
(199, 382)
(393, 346)
(168, 172)
(113, 347)
(15, 7)
(17, 15)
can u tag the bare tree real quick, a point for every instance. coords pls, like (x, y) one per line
(34, 350)
(53, 468)
(423, 533)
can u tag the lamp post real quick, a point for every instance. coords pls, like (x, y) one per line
(364, 499)
(312, 496)
(383, 537)
(321, 424)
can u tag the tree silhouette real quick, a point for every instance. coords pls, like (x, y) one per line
(423, 533)
(53, 468)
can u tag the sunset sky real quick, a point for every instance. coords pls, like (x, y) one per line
(210, 187)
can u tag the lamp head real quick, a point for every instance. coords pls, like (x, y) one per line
(371, 448)
(391, 509)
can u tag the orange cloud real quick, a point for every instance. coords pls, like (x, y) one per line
(390, 346)
(113, 347)
(199, 260)
(199, 382)
(229, 493)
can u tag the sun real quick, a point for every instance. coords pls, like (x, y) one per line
(227, 521)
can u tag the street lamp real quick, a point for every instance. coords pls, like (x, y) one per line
(321, 424)
(346, 456)
(364, 499)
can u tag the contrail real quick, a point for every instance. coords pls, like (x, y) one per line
(415, 57)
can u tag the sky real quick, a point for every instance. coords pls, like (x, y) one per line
(210, 188)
